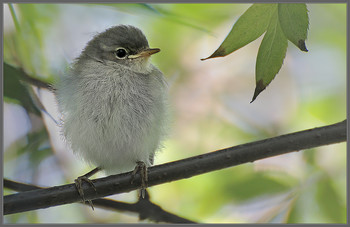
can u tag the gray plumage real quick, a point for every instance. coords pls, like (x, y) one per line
(114, 109)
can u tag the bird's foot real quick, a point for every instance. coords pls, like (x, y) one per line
(78, 184)
(142, 168)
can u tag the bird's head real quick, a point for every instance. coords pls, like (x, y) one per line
(123, 44)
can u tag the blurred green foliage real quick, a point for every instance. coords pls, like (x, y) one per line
(210, 110)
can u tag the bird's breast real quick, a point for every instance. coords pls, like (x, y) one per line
(124, 102)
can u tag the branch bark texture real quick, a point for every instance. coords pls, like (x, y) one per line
(143, 207)
(232, 156)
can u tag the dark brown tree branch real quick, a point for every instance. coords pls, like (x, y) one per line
(143, 207)
(250, 152)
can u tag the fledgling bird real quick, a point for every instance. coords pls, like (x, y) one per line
(114, 103)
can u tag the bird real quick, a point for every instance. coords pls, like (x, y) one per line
(113, 104)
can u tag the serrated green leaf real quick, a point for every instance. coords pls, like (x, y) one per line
(250, 26)
(271, 54)
(294, 22)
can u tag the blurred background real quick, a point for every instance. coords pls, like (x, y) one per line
(210, 106)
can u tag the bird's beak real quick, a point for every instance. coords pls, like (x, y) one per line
(145, 53)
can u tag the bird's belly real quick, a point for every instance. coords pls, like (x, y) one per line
(116, 135)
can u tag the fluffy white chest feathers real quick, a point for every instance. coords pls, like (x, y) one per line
(112, 116)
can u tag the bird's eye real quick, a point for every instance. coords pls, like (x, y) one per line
(120, 53)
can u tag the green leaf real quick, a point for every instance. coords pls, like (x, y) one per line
(330, 203)
(155, 10)
(271, 54)
(136, 9)
(15, 91)
(250, 26)
(28, 42)
(37, 141)
(294, 22)
(255, 185)
(14, 17)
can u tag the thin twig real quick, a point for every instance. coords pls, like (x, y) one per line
(250, 152)
(35, 82)
(23, 76)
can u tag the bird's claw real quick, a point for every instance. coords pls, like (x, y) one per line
(142, 168)
(78, 185)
